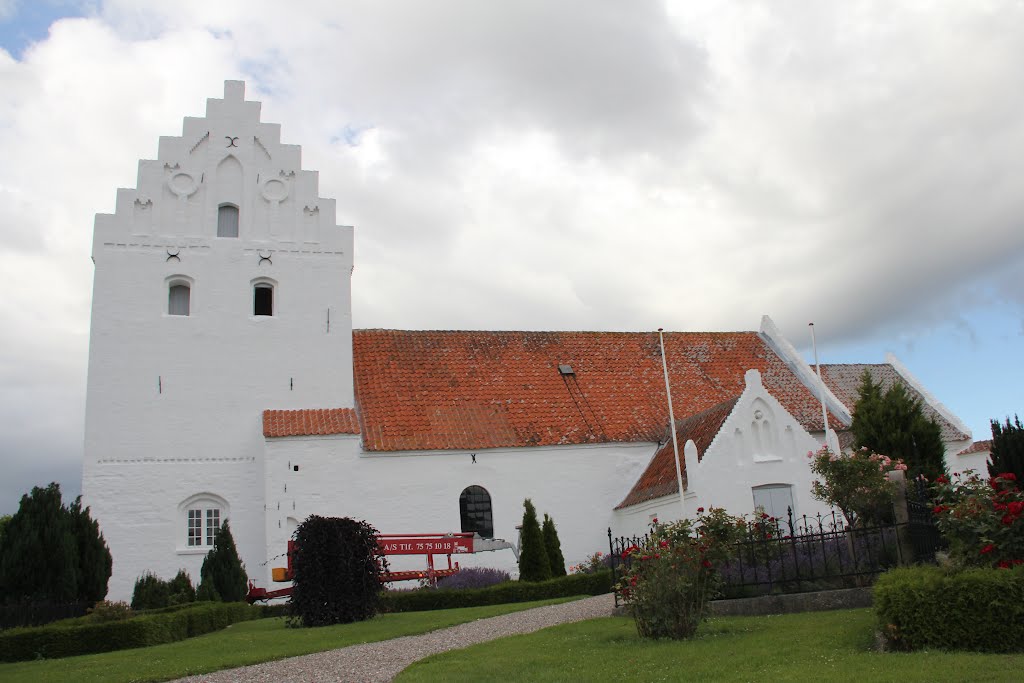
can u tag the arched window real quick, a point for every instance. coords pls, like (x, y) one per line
(263, 298)
(200, 517)
(475, 510)
(227, 220)
(178, 296)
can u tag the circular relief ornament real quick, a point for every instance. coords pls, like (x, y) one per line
(274, 190)
(182, 184)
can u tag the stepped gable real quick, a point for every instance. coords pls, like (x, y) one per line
(844, 380)
(659, 479)
(430, 390)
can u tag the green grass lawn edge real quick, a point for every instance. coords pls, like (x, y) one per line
(813, 646)
(242, 644)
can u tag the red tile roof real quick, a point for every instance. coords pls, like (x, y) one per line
(307, 422)
(659, 479)
(977, 447)
(423, 390)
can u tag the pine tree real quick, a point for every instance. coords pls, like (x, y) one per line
(1007, 449)
(893, 423)
(534, 564)
(553, 547)
(39, 554)
(223, 575)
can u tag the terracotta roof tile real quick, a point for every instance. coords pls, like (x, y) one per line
(844, 381)
(425, 390)
(659, 479)
(977, 447)
(308, 422)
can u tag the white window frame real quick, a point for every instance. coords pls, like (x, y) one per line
(199, 518)
(264, 283)
(178, 280)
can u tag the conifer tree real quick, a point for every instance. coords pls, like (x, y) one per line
(39, 551)
(94, 561)
(893, 423)
(534, 564)
(223, 576)
(1007, 449)
(553, 546)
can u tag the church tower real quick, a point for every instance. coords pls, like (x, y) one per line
(222, 288)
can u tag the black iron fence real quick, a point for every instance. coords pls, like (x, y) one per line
(803, 554)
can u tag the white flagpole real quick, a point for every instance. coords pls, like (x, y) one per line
(672, 425)
(821, 385)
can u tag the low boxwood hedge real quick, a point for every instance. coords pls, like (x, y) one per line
(66, 640)
(511, 591)
(980, 610)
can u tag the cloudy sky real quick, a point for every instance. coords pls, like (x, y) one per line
(534, 165)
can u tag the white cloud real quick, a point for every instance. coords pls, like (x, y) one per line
(564, 166)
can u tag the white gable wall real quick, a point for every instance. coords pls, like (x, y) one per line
(759, 444)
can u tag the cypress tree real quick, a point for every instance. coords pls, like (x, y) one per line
(1007, 449)
(553, 547)
(534, 564)
(893, 423)
(223, 574)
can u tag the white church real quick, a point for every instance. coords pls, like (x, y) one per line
(226, 383)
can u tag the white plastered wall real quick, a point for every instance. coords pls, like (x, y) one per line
(419, 492)
(174, 402)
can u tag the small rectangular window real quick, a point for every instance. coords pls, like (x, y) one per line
(227, 221)
(263, 300)
(178, 299)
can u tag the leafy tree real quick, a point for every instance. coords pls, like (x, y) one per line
(1007, 448)
(337, 566)
(534, 564)
(223, 576)
(892, 423)
(4, 519)
(49, 552)
(553, 547)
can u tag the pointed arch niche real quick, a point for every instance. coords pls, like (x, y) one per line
(764, 436)
(229, 196)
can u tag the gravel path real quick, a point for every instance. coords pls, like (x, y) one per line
(382, 661)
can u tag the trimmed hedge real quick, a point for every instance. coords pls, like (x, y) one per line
(979, 610)
(597, 583)
(66, 640)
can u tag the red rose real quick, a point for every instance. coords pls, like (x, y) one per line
(939, 509)
(1008, 519)
(765, 515)
(707, 564)
(1003, 564)
(632, 581)
(663, 544)
(1016, 562)
(700, 510)
(942, 479)
(1016, 507)
(1008, 476)
(987, 549)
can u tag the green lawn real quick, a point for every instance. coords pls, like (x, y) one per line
(818, 646)
(248, 642)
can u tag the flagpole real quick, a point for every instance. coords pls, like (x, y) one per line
(821, 384)
(672, 424)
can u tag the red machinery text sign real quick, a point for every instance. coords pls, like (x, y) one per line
(412, 545)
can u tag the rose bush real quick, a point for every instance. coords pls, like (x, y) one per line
(670, 578)
(855, 482)
(983, 519)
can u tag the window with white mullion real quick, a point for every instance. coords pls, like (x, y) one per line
(195, 527)
(212, 524)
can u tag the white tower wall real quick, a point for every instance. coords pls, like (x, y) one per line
(174, 402)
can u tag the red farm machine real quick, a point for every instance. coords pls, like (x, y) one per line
(397, 544)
